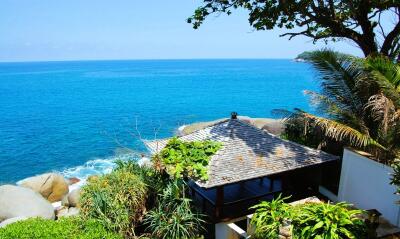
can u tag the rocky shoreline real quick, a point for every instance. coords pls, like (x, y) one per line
(52, 196)
(49, 196)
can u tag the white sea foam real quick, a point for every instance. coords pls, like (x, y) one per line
(95, 167)
(180, 130)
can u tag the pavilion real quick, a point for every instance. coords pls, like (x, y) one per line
(251, 166)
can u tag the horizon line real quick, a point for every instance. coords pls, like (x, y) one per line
(147, 59)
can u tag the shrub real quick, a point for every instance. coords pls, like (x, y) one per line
(308, 221)
(65, 228)
(116, 200)
(174, 217)
(155, 180)
(269, 216)
(188, 159)
(325, 220)
(395, 177)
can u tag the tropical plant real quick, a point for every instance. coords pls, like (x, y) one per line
(188, 159)
(307, 221)
(174, 216)
(64, 228)
(359, 102)
(155, 180)
(395, 179)
(325, 220)
(116, 200)
(269, 217)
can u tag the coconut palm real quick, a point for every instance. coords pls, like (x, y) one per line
(359, 102)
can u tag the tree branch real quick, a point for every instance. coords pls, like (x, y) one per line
(389, 40)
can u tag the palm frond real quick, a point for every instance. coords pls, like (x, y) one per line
(340, 132)
(338, 74)
(383, 111)
(329, 109)
(388, 70)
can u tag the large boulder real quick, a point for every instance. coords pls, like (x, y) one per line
(51, 186)
(72, 181)
(72, 199)
(23, 202)
(67, 212)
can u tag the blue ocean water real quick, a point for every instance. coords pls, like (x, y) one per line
(77, 117)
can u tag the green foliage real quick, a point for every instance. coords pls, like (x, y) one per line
(117, 200)
(307, 221)
(188, 159)
(298, 130)
(269, 216)
(155, 180)
(319, 20)
(395, 179)
(325, 220)
(65, 228)
(174, 217)
(359, 102)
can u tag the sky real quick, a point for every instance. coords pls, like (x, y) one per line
(48, 30)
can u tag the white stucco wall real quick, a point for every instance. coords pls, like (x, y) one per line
(366, 184)
(229, 230)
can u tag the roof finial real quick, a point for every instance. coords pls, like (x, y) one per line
(234, 115)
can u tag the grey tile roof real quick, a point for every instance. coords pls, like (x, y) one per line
(247, 152)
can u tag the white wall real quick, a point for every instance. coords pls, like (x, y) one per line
(366, 184)
(229, 230)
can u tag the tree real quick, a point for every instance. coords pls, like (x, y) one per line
(359, 102)
(360, 21)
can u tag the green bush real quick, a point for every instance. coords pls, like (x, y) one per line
(395, 177)
(65, 228)
(117, 200)
(155, 180)
(325, 220)
(308, 221)
(174, 216)
(188, 159)
(269, 216)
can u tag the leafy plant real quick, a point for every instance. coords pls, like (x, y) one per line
(188, 159)
(395, 179)
(174, 216)
(307, 221)
(269, 217)
(325, 220)
(359, 104)
(65, 228)
(155, 180)
(116, 200)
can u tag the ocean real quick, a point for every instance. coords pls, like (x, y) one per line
(77, 117)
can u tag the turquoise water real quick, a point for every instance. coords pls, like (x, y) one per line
(76, 117)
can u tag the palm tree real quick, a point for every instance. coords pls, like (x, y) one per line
(359, 102)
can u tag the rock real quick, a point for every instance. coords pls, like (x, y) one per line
(23, 202)
(72, 199)
(285, 231)
(64, 201)
(67, 212)
(51, 186)
(12, 220)
(73, 181)
(144, 162)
